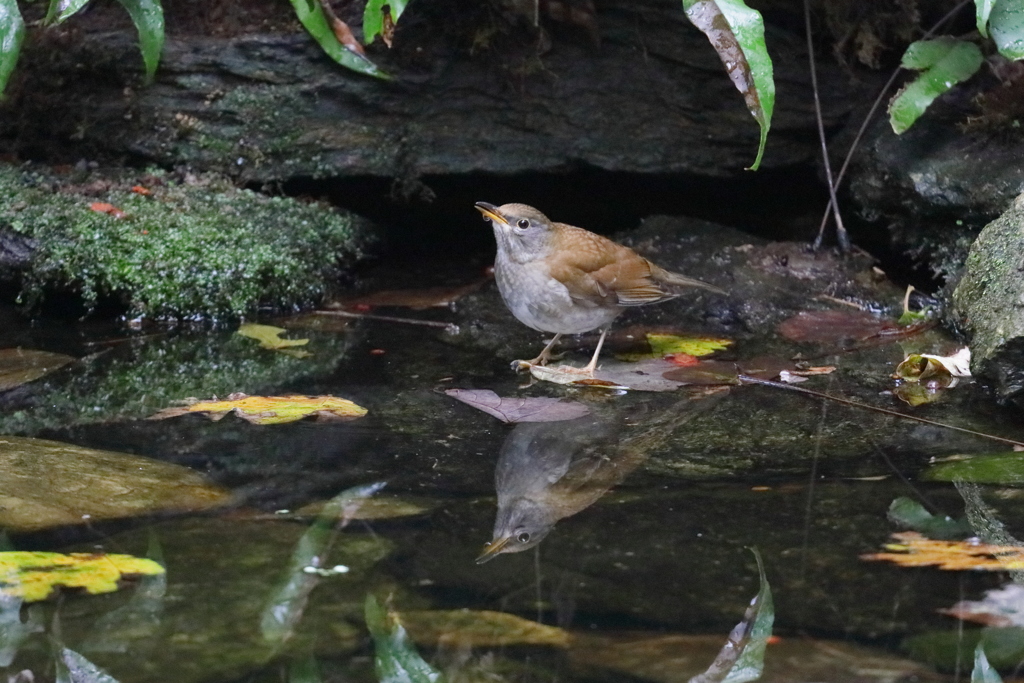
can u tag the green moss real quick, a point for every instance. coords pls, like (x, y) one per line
(198, 249)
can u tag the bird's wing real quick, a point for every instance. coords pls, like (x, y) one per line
(602, 271)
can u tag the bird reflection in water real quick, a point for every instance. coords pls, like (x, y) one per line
(551, 470)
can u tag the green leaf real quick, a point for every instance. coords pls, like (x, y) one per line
(990, 468)
(912, 515)
(60, 10)
(373, 19)
(12, 33)
(737, 34)
(312, 17)
(982, 9)
(750, 665)
(741, 659)
(983, 671)
(1007, 25)
(396, 659)
(943, 63)
(148, 17)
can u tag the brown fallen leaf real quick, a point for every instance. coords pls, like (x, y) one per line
(911, 549)
(515, 410)
(270, 409)
(834, 326)
(20, 366)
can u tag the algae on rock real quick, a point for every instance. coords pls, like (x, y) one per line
(171, 247)
(989, 301)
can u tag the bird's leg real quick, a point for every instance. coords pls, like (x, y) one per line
(545, 355)
(588, 370)
(542, 359)
(592, 365)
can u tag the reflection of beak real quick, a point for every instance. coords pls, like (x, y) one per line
(493, 549)
(491, 211)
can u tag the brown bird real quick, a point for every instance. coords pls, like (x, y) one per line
(566, 280)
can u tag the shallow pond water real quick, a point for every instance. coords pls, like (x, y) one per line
(645, 510)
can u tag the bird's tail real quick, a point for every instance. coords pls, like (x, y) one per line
(677, 280)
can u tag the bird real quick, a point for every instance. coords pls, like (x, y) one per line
(548, 471)
(561, 279)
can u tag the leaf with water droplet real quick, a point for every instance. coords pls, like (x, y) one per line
(943, 62)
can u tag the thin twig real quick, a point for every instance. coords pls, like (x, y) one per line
(867, 120)
(450, 328)
(747, 379)
(841, 234)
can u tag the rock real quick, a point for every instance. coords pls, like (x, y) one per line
(136, 238)
(989, 302)
(934, 187)
(49, 484)
(271, 106)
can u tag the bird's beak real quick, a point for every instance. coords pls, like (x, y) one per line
(491, 211)
(492, 549)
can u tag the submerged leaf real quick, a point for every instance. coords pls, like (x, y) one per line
(987, 468)
(269, 337)
(271, 409)
(81, 670)
(741, 659)
(834, 326)
(515, 410)
(32, 576)
(914, 550)
(479, 628)
(737, 34)
(148, 17)
(12, 33)
(1001, 607)
(395, 657)
(910, 514)
(19, 366)
(943, 62)
(983, 671)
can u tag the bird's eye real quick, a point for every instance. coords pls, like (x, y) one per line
(523, 537)
(524, 224)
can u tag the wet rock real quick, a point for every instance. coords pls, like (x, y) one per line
(989, 302)
(49, 484)
(270, 106)
(934, 187)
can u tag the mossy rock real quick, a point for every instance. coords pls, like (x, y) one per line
(169, 246)
(989, 301)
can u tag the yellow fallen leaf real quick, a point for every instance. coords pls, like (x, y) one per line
(271, 409)
(32, 576)
(914, 550)
(269, 337)
(670, 344)
(919, 367)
